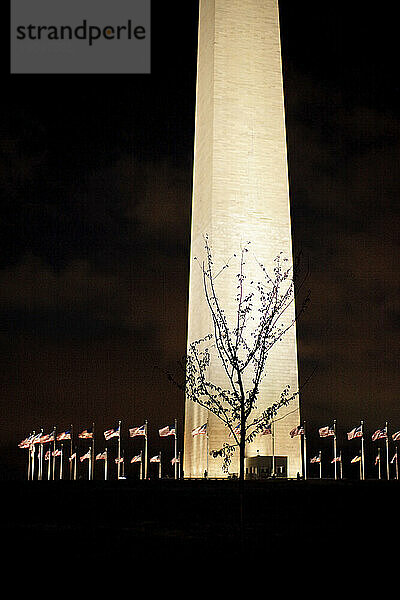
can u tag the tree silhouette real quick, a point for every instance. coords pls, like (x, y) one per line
(242, 346)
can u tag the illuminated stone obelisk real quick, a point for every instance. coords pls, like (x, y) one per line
(240, 194)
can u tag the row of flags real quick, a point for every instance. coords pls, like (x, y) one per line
(357, 458)
(100, 456)
(356, 432)
(104, 456)
(142, 431)
(40, 440)
(326, 431)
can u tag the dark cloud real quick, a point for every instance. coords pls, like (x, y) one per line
(60, 325)
(345, 219)
(343, 126)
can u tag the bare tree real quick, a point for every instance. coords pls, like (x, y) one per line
(242, 348)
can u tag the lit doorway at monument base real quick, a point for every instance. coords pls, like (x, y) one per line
(263, 467)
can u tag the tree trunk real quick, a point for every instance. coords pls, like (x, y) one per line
(242, 449)
(241, 459)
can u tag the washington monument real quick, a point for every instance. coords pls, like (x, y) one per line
(240, 195)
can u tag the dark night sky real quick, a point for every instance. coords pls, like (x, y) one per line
(95, 180)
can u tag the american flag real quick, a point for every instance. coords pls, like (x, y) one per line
(102, 455)
(267, 430)
(356, 459)
(36, 439)
(47, 455)
(47, 437)
(200, 429)
(56, 453)
(155, 459)
(166, 431)
(316, 459)
(377, 459)
(65, 435)
(72, 457)
(137, 458)
(355, 433)
(119, 460)
(133, 431)
(396, 436)
(236, 430)
(394, 459)
(379, 434)
(337, 459)
(110, 433)
(26, 442)
(326, 431)
(299, 430)
(175, 461)
(86, 434)
(85, 456)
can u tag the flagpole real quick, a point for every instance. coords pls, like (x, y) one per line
(207, 444)
(71, 453)
(54, 449)
(341, 466)
(145, 450)
(320, 464)
(90, 464)
(119, 451)
(123, 463)
(141, 466)
(106, 466)
(397, 464)
(362, 451)
(159, 466)
(175, 450)
(75, 465)
(40, 459)
(38, 464)
(387, 452)
(334, 447)
(304, 452)
(33, 462)
(29, 461)
(379, 463)
(273, 448)
(93, 454)
(61, 462)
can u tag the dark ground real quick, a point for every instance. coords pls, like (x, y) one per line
(317, 525)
